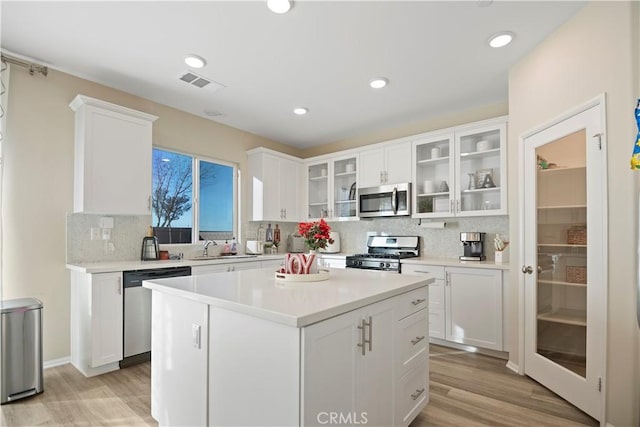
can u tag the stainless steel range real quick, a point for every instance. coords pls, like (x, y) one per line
(385, 253)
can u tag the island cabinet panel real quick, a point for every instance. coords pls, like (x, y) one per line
(179, 360)
(254, 371)
(355, 366)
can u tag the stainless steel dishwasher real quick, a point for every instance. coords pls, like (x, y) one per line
(137, 312)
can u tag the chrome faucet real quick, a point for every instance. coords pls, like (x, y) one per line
(205, 251)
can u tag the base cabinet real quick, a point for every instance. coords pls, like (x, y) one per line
(96, 322)
(465, 304)
(347, 367)
(368, 366)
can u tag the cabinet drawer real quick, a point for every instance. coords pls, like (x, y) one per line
(437, 271)
(413, 342)
(412, 394)
(412, 302)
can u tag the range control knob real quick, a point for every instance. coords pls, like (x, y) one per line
(382, 265)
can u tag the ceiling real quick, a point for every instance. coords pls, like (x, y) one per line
(320, 55)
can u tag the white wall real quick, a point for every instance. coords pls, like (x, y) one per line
(595, 52)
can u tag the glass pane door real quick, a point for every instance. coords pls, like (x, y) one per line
(561, 202)
(318, 190)
(432, 172)
(479, 171)
(344, 188)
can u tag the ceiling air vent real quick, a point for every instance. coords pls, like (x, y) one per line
(199, 81)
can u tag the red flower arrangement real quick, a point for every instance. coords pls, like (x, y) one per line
(315, 233)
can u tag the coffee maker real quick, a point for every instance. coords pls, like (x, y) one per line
(473, 243)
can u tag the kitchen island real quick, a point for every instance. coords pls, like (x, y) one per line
(241, 348)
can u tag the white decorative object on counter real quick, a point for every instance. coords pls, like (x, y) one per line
(311, 277)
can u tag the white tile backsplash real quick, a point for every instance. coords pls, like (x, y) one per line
(442, 242)
(125, 242)
(128, 231)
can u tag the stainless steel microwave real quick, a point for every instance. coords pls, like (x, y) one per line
(384, 201)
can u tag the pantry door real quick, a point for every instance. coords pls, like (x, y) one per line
(564, 253)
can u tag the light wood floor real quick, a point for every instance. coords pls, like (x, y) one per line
(467, 389)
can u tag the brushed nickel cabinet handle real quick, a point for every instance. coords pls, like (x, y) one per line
(361, 326)
(370, 324)
(417, 340)
(418, 301)
(417, 394)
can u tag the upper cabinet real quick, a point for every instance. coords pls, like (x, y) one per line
(331, 188)
(388, 164)
(275, 186)
(112, 166)
(461, 172)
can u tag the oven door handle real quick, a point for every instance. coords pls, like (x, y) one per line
(394, 200)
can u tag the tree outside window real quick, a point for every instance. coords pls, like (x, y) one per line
(175, 215)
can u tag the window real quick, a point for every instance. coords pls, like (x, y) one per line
(193, 199)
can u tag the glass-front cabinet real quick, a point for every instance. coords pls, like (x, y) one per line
(332, 188)
(461, 173)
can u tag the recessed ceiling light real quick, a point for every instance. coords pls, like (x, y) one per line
(378, 82)
(279, 6)
(301, 111)
(194, 61)
(501, 39)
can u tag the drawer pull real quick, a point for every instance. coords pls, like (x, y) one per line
(418, 301)
(417, 394)
(417, 340)
(422, 271)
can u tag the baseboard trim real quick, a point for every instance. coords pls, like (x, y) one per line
(485, 351)
(56, 362)
(513, 366)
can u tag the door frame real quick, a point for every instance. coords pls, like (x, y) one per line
(600, 102)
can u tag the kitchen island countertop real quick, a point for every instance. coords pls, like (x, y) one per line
(297, 304)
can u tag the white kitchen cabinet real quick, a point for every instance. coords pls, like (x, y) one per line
(179, 356)
(331, 188)
(388, 164)
(474, 307)
(112, 166)
(461, 171)
(198, 270)
(465, 304)
(96, 322)
(272, 263)
(275, 186)
(436, 296)
(353, 363)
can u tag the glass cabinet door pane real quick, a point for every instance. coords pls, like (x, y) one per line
(432, 186)
(561, 202)
(344, 188)
(318, 182)
(479, 172)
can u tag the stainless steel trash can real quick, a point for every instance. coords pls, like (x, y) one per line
(21, 349)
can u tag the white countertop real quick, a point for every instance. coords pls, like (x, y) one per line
(111, 266)
(297, 304)
(454, 262)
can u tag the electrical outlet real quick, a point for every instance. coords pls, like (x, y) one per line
(95, 234)
(106, 234)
